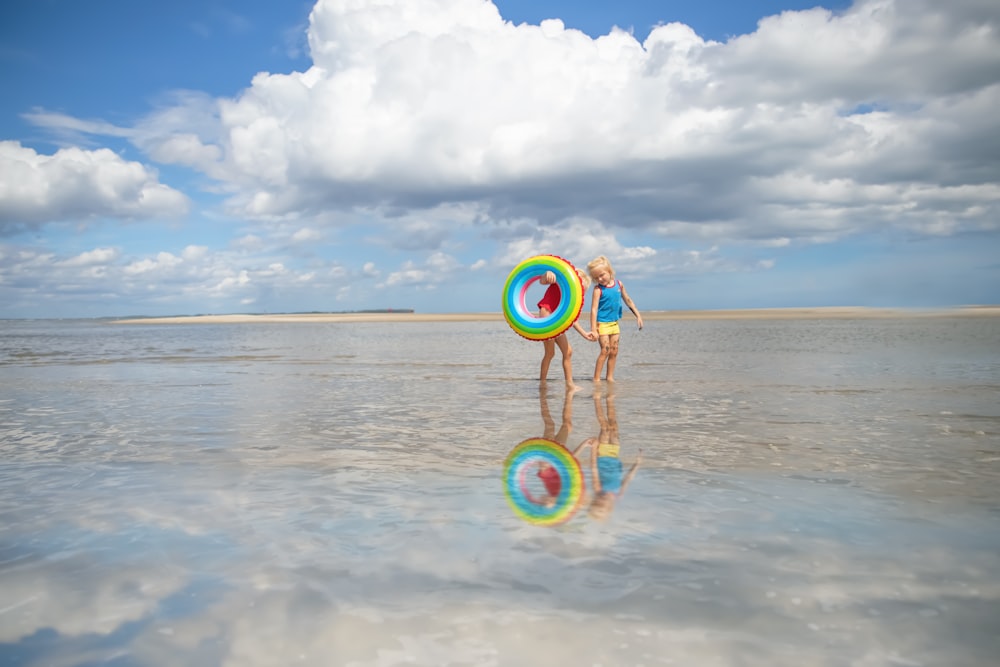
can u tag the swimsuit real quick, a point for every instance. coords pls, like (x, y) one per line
(609, 307)
(551, 299)
(551, 479)
(609, 467)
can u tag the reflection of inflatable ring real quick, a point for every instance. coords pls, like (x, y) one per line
(522, 319)
(548, 508)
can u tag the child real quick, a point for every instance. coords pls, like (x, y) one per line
(546, 473)
(605, 311)
(605, 465)
(547, 306)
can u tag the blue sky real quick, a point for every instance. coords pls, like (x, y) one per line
(273, 156)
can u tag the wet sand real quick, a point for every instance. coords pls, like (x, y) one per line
(838, 312)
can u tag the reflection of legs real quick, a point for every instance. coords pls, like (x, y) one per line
(612, 419)
(566, 422)
(612, 355)
(602, 419)
(567, 419)
(550, 426)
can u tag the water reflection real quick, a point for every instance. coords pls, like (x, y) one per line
(327, 504)
(544, 480)
(606, 467)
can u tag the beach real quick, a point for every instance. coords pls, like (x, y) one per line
(816, 491)
(852, 312)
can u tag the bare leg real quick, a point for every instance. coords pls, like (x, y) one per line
(612, 355)
(547, 355)
(562, 342)
(602, 357)
(550, 351)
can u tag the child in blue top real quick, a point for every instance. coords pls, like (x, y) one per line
(605, 311)
(606, 471)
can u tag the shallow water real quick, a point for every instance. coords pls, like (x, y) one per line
(812, 492)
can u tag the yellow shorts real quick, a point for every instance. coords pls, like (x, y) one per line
(608, 328)
(608, 449)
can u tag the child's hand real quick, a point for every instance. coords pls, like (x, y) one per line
(548, 279)
(639, 319)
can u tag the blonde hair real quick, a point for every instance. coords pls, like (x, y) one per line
(598, 262)
(601, 505)
(584, 278)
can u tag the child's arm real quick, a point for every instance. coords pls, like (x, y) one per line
(579, 330)
(631, 306)
(630, 474)
(548, 279)
(595, 478)
(594, 300)
(586, 441)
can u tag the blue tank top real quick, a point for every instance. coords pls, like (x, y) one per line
(609, 471)
(609, 308)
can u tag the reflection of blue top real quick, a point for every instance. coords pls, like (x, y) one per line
(609, 308)
(609, 470)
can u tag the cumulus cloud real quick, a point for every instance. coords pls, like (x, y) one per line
(433, 125)
(76, 184)
(167, 282)
(814, 126)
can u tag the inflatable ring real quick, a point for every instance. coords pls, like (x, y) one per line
(521, 318)
(551, 508)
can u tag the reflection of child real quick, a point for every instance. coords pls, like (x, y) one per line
(552, 483)
(605, 311)
(605, 464)
(547, 306)
(547, 473)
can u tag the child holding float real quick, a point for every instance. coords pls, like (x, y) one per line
(548, 305)
(558, 309)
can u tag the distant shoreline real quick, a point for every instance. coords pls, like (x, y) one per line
(835, 312)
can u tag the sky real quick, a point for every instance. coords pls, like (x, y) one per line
(262, 156)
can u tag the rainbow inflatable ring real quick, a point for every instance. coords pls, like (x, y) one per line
(526, 459)
(522, 319)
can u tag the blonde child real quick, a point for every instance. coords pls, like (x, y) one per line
(547, 306)
(605, 464)
(605, 311)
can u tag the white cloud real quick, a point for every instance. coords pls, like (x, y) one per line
(248, 242)
(92, 257)
(76, 184)
(444, 135)
(163, 261)
(306, 235)
(422, 104)
(578, 240)
(441, 102)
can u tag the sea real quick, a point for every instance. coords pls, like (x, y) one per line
(801, 492)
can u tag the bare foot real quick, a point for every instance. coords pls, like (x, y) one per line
(572, 388)
(610, 379)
